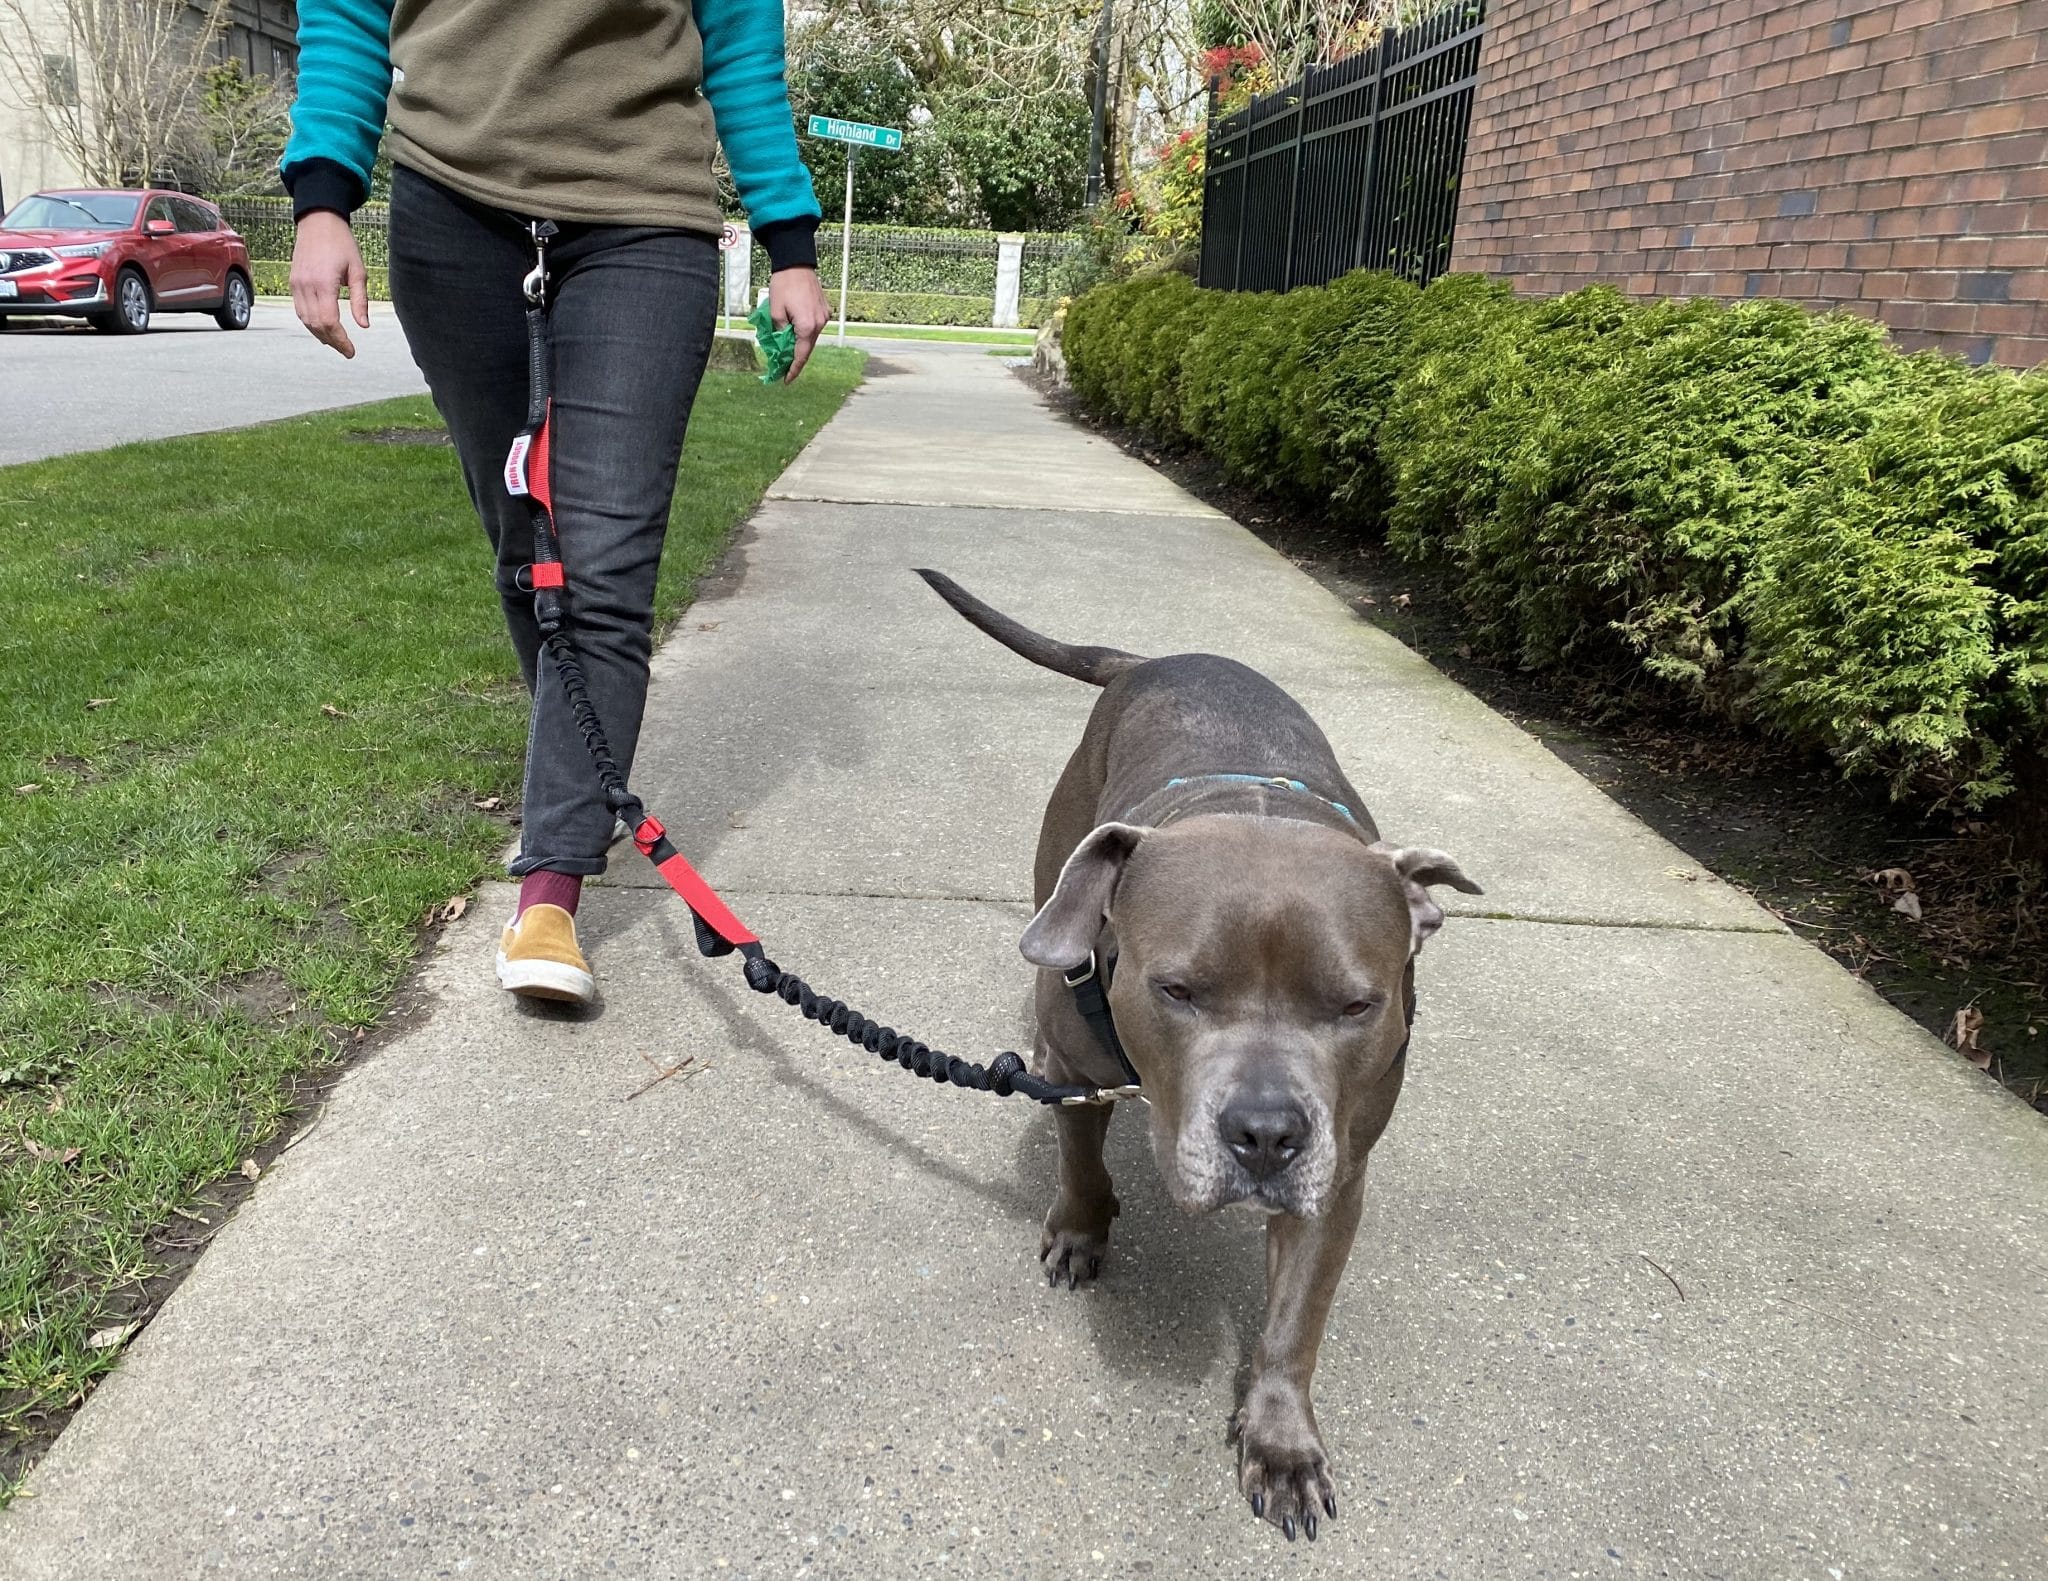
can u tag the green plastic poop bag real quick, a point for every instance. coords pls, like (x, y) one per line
(778, 346)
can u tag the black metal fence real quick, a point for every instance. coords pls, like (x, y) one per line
(1354, 166)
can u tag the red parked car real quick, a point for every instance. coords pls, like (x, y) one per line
(117, 258)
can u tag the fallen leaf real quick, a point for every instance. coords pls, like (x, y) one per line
(1964, 1031)
(1464, 650)
(709, 625)
(332, 712)
(488, 804)
(1908, 904)
(108, 1338)
(56, 1102)
(1891, 879)
(29, 789)
(1403, 600)
(48, 1155)
(454, 907)
(98, 702)
(251, 1169)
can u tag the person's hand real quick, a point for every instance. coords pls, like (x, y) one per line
(324, 259)
(795, 297)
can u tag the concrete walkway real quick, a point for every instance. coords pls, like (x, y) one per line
(492, 1318)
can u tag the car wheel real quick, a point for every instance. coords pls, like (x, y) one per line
(234, 307)
(131, 305)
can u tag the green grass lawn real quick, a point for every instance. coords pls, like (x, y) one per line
(257, 687)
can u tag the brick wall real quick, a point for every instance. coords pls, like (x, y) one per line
(1886, 155)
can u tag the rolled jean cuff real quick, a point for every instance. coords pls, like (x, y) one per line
(581, 866)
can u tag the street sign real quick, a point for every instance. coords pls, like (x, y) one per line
(856, 135)
(857, 132)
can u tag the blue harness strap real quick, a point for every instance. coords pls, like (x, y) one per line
(1277, 781)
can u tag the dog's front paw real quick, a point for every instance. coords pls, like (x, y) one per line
(1282, 1467)
(1074, 1242)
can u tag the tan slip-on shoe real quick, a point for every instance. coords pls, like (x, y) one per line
(538, 958)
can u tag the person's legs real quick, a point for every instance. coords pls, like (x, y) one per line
(633, 316)
(631, 324)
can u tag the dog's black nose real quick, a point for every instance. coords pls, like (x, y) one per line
(1264, 1136)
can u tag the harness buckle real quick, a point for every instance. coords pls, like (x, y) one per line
(1081, 973)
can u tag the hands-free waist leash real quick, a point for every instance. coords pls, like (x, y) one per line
(528, 476)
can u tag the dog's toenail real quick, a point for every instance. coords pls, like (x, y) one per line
(1330, 1505)
(1308, 1524)
(1259, 1505)
(1287, 1528)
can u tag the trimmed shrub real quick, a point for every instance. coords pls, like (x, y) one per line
(1753, 510)
(1125, 345)
(1345, 398)
(1600, 474)
(1902, 620)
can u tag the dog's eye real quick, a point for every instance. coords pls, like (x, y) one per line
(1357, 1008)
(1177, 992)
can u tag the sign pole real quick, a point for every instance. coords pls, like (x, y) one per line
(846, 244)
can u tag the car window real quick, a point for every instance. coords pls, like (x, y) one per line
(192, 216)
(73, 211)
(159, 209)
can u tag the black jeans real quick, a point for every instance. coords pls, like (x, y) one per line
(633, 312)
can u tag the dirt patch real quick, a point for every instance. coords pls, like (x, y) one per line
(1937, 914)
(402, 436)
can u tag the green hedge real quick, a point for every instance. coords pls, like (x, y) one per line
(1766, 513)
(271, 278)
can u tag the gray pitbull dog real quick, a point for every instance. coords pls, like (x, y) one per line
(1204, 843)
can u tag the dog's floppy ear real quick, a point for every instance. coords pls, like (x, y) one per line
(1063, 933)
(1419, 866)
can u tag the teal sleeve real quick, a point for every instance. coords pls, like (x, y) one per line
(338, 117)
(743, 79)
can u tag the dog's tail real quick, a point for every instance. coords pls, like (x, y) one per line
(1096, 666)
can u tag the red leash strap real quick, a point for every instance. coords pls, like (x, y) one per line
(686, 881)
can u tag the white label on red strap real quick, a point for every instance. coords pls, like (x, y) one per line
(515, 466)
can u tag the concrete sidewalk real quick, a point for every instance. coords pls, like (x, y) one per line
(493, 1319)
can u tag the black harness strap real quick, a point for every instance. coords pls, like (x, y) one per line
(1089, 984)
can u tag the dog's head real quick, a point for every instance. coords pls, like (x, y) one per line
(1258, 988)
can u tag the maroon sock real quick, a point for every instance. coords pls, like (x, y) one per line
(551, 889)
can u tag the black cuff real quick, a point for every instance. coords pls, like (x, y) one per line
(790, 244)
(323, 184)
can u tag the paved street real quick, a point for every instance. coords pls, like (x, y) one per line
(1685, 1256)
(69, 387)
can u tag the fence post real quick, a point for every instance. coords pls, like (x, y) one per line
(1294, 184)
(1372, 152)
(739, 270)
(1009, 280)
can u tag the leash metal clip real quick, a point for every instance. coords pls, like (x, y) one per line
(535, 284)
(1101, 1097)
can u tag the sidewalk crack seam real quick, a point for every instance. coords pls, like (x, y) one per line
(1651, 925)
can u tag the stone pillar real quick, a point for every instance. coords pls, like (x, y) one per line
(739, 268)
(1009, 280)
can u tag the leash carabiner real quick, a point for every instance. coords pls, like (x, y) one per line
(535, 285)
